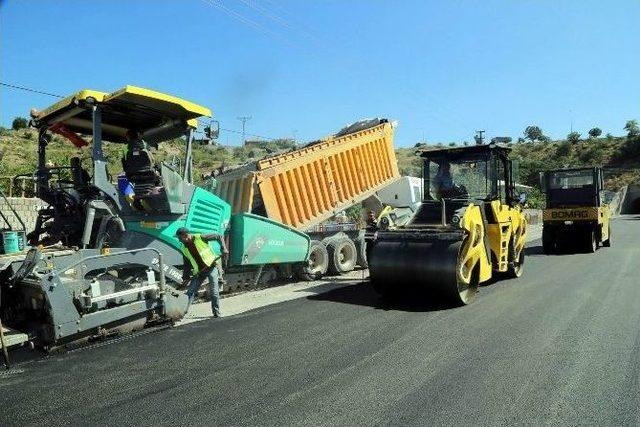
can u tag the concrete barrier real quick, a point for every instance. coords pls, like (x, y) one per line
(26, 207)
(630, 204)
(534, 216)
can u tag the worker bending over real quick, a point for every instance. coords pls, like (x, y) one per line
(200, 263)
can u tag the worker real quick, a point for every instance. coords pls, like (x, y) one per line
(443, 182)
(200, 262)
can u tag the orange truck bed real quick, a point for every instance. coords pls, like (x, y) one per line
(305, 187)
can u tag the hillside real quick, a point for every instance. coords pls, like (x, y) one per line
(621, 156)
(18, 154)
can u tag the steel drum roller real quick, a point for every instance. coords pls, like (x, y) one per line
(399, 266)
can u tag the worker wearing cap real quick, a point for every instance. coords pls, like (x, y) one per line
(200, 263)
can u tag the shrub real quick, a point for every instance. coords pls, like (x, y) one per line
(19, 123)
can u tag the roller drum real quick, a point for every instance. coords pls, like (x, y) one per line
(399, 267)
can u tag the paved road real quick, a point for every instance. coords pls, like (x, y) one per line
(560, 345)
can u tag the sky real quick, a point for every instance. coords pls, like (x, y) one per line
(305, 68)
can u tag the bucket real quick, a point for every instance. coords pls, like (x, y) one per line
(10, 243)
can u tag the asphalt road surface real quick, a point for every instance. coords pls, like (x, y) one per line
(559, 345)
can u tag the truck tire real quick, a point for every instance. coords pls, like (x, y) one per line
(591, 241)
(361, 250)
(607, 243)
(548, 242)
(342, 255)
(317, 264)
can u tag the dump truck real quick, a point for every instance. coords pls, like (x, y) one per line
(106, 259)
(576, 213)
(306, 187)
(468, 228)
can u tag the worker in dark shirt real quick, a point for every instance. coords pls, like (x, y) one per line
(201, 262)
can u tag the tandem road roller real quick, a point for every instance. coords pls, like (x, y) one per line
(468, 228)
(576, 212)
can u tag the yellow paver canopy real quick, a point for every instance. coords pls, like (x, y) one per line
(133, 108)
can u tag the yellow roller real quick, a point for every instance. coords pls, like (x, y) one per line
(455, 242)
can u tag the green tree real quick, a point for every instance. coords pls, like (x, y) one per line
(563, 149)
(573, 137)
(19, 123)
(595, 132)
(632, 128)
(533, 133)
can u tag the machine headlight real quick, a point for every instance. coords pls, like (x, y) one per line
(455, 219)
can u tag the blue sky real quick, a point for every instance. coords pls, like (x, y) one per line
(443, 69)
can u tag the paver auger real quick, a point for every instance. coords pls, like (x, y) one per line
(468, 227)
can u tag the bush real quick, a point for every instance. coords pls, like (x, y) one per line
(595, 132)
(563, 149)
(533, 133)
(19, 123)
(573, 137)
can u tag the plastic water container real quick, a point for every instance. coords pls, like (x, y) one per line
(10, 243)
(22, 240)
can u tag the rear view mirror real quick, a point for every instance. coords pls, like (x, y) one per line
(522, 198)
(212, 130)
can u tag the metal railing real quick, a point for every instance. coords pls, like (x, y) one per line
(18, 186)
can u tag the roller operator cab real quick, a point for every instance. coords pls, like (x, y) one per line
(468, 228)
(576, 216)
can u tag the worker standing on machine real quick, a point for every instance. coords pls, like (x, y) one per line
(200, 263)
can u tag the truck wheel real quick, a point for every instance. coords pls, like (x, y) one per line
(361, 250)
(342, 255)
(548, 242)
(317, 264)
(607, 243)
(592, 242)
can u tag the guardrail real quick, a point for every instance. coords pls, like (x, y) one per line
(18, 186)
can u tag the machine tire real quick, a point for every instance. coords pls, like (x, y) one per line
(591, 242)
(361, 251)
(343, 255)
(516, 267)
(607, 243)
(548, 242)
(316, 266)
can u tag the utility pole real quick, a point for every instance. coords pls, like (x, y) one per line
(571, 118)
(244, 119)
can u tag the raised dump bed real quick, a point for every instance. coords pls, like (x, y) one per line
(304, 187)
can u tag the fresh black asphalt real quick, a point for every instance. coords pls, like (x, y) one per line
(559, 345)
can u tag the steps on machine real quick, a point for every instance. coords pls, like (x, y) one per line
(13, 337)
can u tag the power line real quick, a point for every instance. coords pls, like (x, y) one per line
(273, 16)
(248, 134)
(247, 21)
(27, 89)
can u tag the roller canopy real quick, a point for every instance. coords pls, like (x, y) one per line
(156, 115)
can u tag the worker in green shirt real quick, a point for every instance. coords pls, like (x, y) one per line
(200, 263)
